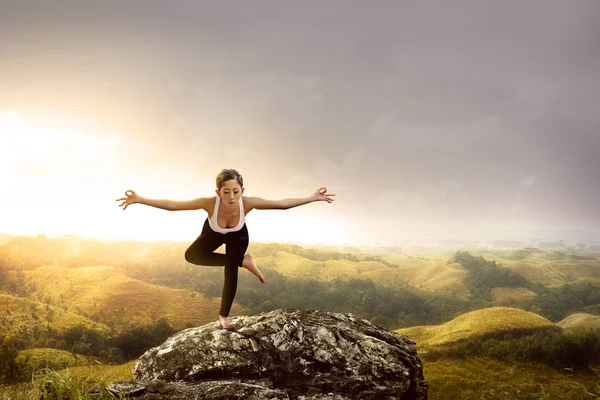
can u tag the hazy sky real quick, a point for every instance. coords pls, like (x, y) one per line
(463, 119)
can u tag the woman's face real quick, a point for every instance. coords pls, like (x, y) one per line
(230, 192)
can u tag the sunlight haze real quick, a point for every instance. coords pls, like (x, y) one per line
(464, 122)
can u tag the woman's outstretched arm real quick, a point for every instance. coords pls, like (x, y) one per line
(200, 203)
(284, 204)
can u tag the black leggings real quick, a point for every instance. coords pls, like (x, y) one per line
(201, 252)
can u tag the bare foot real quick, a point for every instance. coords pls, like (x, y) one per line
(224, 322)
(248, 263)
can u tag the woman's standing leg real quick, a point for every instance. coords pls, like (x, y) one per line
(236, 244)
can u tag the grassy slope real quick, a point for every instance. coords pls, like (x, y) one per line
(22, 316)
(117, 300)
(431, 275)
(36, 359)
(486, 378)
(89, 376)
(580, 320)
(448, 379)
(468, 379)
(503, 295)
(485, 322)
(105, 374)
(547, 267)
(434, 276)
(429, 271)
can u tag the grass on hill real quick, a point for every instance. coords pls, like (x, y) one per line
(23, 317)
(487, 378)
(37, 359)
(104, 374)
(486, 322)
(580, 321)
(75, 382)
(448, 379)
(109, 296)
(504, 295)
(295, 266)
(432, 276)
(547, 268)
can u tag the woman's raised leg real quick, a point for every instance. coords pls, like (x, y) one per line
(201, 251)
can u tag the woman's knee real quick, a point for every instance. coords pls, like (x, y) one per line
(189, 256)
(193, 256)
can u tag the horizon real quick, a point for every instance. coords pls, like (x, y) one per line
(442, 244)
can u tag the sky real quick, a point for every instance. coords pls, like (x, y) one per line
(469, 120)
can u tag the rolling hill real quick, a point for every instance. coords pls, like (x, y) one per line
(23, 317)
(503, 295)
(548, 268)
(104, 294)
(580, 321)
(479, 323)
(434, 276)
(431, 272)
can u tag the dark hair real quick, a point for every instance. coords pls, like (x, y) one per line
(228, 174)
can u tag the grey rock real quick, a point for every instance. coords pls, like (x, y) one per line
(283, 354)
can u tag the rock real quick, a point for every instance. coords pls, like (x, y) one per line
(282, 354)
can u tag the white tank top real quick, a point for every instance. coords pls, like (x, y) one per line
(212, 221)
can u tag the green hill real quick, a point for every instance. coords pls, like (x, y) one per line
(107, 295)
(479, 323)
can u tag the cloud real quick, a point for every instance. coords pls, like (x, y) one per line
(273, 103)
(528, 181)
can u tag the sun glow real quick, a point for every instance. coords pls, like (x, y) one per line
(51, 177)
(65, 181)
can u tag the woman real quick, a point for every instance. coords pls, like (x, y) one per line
(225, 224)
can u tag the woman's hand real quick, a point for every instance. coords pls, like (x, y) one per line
(322, 195)
(132, 198)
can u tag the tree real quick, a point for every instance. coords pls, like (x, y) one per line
(10, 370)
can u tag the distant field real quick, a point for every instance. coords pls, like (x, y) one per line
(430, 275)
(107, 295)
(549, 268)
(429, 270)
(433, 276)
(486, 322)
(295, 266)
